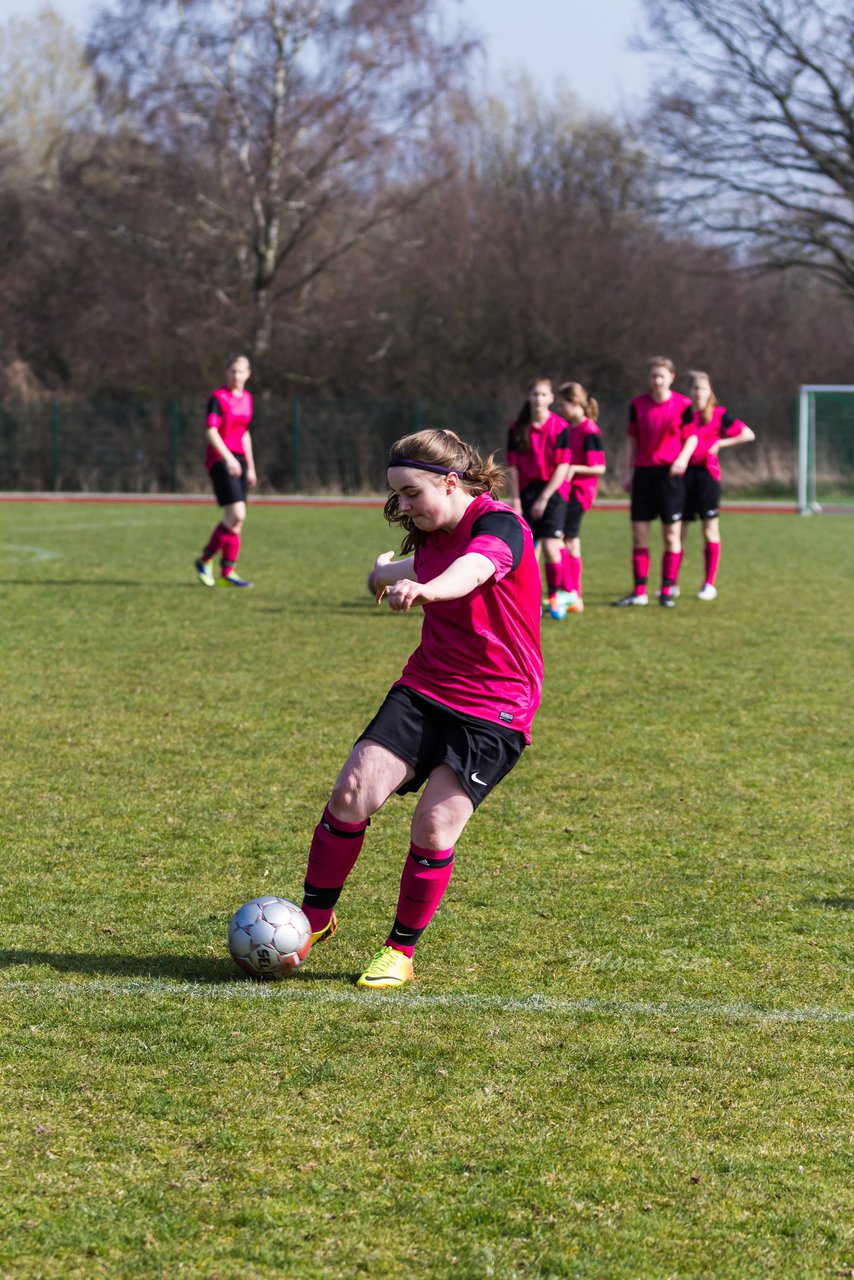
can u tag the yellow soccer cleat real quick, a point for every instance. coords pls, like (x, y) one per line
(326, 932)
(389, 968)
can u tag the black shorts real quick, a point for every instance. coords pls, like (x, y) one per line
(424, 734)
(702, 495)
(550, 523)
(573, 518)
(229, 489)
(657, 495)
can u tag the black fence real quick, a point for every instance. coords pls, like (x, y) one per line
(310, 445)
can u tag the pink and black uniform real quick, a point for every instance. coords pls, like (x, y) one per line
(229, 414)
(656, 494)
(535, 466)
(703, 476)
(585, 450)
(465, 700)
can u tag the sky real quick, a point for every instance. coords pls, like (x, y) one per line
(583, 43)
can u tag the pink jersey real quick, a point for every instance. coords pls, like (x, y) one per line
(657, 429)
(231, 415)
(720, 426)
(585, 450)
(481, 654)
(549, 448)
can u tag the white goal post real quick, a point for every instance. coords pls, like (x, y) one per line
(818, 462)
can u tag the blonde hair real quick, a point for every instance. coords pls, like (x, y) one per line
(574, 393)
(664, 361)
(445, 450)
(706, 414)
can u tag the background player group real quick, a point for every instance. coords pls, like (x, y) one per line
(672, 473)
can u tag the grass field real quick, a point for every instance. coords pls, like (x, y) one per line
(628, 1054)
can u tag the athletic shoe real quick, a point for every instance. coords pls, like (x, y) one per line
(205, 573)
(577, 606)
(389, 968)
(234, 581)
(666, 601)
(674, 591)
(557, 610)
(708, 592)
(567, 598)
(328, 931)
(643, 598)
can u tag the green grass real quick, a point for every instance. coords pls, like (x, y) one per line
(628, 1053)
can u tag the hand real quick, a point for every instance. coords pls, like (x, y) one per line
(537, 508)
(375, 585)
(627, 482)
(402, 595)
(232, 466)
(251, 477)
(714, 448)
(678, 467)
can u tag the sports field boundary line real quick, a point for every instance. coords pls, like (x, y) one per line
(748, 506)
(292, 991)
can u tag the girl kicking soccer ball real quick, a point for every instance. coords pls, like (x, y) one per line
(458, 718)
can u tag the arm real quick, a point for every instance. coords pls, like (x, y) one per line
(387, 571)
(580, 469)
(745, 436)
(680, 463)
(631, 456)
(513, 481)
(469, 571)
(232, 466)
(251, 477)
(556, 479)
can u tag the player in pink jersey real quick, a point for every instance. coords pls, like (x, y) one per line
(231, 466)
(586, 465)
(537, 462)
(459, 716)
(715, 429)
(655, 477)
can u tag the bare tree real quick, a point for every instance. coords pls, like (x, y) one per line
(755, 127)
(303, 118)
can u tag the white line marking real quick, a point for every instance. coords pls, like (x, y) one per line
(296, 990)
(20, 552)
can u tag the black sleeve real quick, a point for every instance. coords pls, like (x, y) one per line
(687, 415)
(503, 525)
(593, 442)
(727, 421)
(214, 406)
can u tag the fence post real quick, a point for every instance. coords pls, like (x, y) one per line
(54, 445)
(295, 415)
(174, 437)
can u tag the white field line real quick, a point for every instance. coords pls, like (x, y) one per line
(294, 991)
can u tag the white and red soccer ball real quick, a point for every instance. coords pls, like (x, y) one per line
(269, 937)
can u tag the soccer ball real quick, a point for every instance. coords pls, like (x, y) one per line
(269, 937)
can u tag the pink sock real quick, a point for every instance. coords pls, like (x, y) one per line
(230, 550)
(670, 562)
(423, 881)
(565, 570)
(575, 573)
(713, 559)
(640, 569)
(335, 846)
(215, 542)
(554, 574)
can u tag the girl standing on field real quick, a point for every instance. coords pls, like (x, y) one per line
(231, 466)
(586, 465)
(715, 429)
(537, 464)
(655, 478)
(459, 717)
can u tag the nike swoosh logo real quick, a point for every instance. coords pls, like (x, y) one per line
(480, 782)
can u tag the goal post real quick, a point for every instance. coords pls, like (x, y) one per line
(825, 448)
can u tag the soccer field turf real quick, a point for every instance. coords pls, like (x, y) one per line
(628, 1052)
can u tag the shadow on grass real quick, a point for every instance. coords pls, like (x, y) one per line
(77, 582)
(180, 968)
(841, 904)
